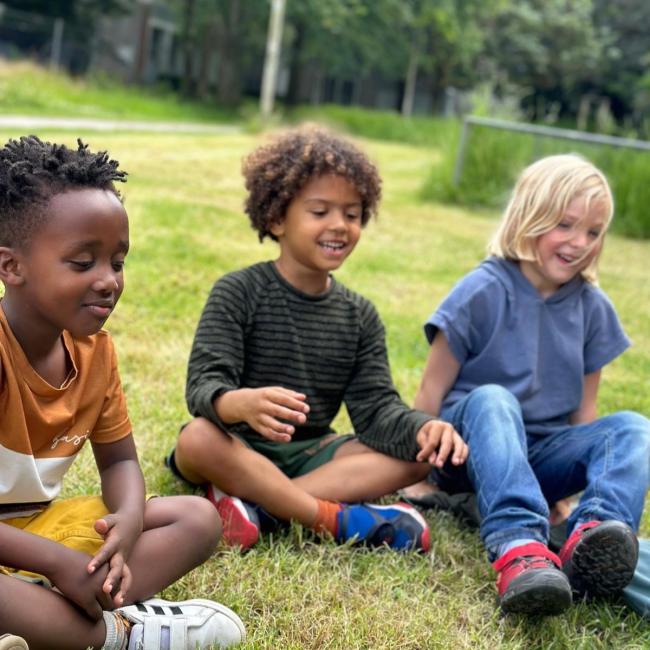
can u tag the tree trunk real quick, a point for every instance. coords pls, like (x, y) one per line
(229, 84)
(295, 63)
(205, 63)
(187, 82)
(316, 94)
(410, 82)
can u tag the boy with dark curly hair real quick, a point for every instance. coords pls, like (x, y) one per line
(64, 236)
(281, 345)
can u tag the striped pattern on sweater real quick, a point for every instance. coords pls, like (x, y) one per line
(257, 330)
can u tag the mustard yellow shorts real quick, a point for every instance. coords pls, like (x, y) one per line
(69, 522)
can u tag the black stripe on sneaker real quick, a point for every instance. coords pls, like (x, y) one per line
(157, 610)
(141, 607)
(176, 610)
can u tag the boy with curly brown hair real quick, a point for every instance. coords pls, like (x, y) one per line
(281, 345)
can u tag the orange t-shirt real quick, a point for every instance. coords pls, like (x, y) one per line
(42, 428)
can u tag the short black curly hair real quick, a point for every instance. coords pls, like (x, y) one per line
(276, 172)
(32, 172)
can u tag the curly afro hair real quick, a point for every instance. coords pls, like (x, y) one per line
(32, 172)
(276, 172)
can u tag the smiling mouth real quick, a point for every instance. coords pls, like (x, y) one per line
(565, 259)
(332, 245)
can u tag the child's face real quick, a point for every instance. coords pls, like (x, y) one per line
(321, 227)
(569, 248)
(72, 269)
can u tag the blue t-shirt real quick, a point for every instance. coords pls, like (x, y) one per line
(502, 331)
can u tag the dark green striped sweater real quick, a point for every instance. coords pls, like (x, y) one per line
(257, 330)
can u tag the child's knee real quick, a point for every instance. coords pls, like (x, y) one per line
(196, 439)
(201, 524)
(193, 521)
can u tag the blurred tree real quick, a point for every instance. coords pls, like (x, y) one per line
(550, 48)
(354, 40)
(233, 32)
(446, 40)
(623, 75)
(344, 40)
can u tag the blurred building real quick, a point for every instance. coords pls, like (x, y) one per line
(142, 46)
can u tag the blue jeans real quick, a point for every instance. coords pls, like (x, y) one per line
(516, 475)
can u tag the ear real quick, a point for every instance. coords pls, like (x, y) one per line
(10, 267)
(277, 229)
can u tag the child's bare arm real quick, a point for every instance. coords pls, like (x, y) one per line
(437, 440)
(267, 410)
(123, 494)
(64, 567)
(587, 411)
(439, 376)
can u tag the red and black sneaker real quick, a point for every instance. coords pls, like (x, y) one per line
(599, 558)
(530, 581)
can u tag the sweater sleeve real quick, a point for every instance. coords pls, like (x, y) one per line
(380, 418)
(217, 357)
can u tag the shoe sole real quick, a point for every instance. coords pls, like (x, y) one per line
(604, 560)
(238, 529)
(537, 595)
(209, 604)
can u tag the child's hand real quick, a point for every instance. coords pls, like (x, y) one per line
(119, 538)
(70, 577)
(437, 439)
(264, 408)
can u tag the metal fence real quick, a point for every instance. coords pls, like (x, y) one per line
(541, 131)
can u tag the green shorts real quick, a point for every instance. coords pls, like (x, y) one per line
(300, 457)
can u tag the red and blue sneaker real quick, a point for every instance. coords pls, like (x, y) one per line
(530, 581)
(600, 557)
(398, 526)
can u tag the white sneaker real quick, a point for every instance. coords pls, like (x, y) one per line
(11, 642)
(185, 625)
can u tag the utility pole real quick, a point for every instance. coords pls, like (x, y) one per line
(272, 58)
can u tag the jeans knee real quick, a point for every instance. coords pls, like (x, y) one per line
(492, 415)
(493, 398)
(632, 427)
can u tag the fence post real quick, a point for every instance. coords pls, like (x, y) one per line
(460, 158)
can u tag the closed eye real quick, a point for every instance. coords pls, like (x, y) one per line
(81, 265)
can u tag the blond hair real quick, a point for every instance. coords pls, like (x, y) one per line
(538, 203)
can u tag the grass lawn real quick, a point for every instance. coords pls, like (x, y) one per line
(28, 89)
(184, 198)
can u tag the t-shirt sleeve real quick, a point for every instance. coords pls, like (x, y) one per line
(456, 317)
(380, 418)
(113, 422)
(605, 338)
(217, 357)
